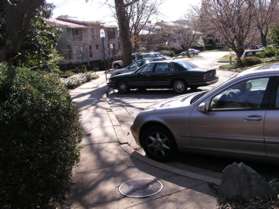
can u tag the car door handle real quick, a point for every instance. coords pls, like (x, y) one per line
(253, 118)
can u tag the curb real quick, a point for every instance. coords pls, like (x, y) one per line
(212, 178)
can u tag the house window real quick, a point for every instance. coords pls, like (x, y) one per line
(90, 52)
(68, 53)
(97, 46)
(93, 33)
(111, 32)
(77, 34)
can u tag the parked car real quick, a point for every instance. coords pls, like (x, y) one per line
(189, 52)
(175, 74)
(238, 118)
(252, 52)
(155, 56)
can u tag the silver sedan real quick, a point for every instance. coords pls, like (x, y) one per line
(238, 118)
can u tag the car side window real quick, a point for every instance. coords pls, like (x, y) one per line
(179, 68)
(162, 68)
(277, 98)
(148, 68)
(246, 95)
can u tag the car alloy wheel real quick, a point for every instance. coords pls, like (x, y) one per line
(122, 87)
(179, 87)
(158, 143)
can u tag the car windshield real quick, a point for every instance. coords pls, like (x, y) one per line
(186, 65)
(199, 95)
(133, 66)
(151, 55)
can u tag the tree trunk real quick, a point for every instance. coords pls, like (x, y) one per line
(239, 54)
(264, 39)
(124, 32)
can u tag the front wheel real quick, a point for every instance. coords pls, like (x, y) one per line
(179, 87)
(158, 143)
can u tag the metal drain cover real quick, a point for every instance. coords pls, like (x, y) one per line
(141, 188)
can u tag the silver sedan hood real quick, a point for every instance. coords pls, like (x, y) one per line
(176, 102)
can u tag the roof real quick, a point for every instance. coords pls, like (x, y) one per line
(63, 24)
(70, 22)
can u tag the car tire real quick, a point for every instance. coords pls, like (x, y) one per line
(158, 143)
(179, 87)
(122, 87)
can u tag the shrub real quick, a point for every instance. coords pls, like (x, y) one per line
(249, 61)
(66, 74)
(39, 133)
(274, 35)
(78, 79)
(269, 52)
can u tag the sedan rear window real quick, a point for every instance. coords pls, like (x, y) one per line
(186, 65)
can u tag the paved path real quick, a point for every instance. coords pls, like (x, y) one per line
(104, 165)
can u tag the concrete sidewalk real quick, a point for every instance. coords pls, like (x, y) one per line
(104, 165)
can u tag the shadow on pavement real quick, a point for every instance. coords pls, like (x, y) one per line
(218, 163)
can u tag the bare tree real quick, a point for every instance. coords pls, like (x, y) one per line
(264, 13)
(15, 21)
(132, 16)
(139, 14)
(189, 34)
(233, 21)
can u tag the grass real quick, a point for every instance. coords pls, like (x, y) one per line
(235, 68)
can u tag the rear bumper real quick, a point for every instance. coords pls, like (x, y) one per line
(205, 83)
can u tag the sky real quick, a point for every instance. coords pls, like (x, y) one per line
(96, 10)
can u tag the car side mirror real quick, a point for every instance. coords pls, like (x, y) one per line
(203, 107)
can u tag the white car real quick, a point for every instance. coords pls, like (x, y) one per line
(252, 52)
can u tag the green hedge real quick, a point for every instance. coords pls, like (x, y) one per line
(269, 52)
(39, 133)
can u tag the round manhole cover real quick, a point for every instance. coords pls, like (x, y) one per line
(141, 188)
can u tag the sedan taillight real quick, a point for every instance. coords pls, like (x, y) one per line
(209, 75)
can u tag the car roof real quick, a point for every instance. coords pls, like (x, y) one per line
(254, 50)
(145, 53)
(178, 61)
(267, 69)
(161, 61)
